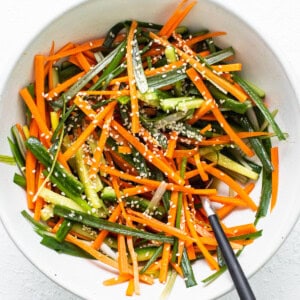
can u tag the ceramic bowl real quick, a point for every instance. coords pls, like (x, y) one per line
(92, 19)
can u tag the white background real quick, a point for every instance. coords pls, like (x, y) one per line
(278, 21)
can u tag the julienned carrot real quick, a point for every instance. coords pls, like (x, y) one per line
(44, 131)
(66, 51)
(176, 18)
(195, 77)
(203, 70)
(122, 255)
(275, 175)
(203, 37)
(87, 132)
(209, 258)
(136, 190)
(39, 62)
(232, 184)
(102, 235)
(228, 200)
(200, 168)
(63, 86)
(101, 142)
(171, 144)
(30, 169)
(135, 122)
(185, 153)
(228, 68)
(165, 260)
(228, 208)
(39, 200)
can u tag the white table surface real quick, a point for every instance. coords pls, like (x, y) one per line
(20, 20)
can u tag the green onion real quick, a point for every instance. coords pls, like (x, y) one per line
(95, 222)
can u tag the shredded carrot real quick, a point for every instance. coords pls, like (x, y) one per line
(171, 144)
(101, 142)
(165, 260)
(124, 150)
(203, 37)
(200, 168)
(211, 261)
(275, 175)
(228, 68)
(226, 209)
(63, 86)
(39, 84)
(30, 169)
(133, 91)
(103, 233)
(233, 184)
(192, 73)
(122, 255)
(176, 18)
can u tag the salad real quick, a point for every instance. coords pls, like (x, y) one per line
(123, 137)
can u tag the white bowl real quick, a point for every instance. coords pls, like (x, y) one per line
(92, 19)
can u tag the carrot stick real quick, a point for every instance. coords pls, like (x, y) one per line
(77, 49)
(39, 84)
(136, 190)
(200, 168)
(171, 144)
(132, 87)
(226, 209)
(124, 150)
(202, 37)
(36, 113)
(192, 73)
(122, 255)
(117, 280)
(176, 18)
(185, 153)
(101, 143)
(228, 200)
(275, 175)
(232, 184)
(130, 287)
(103, 233)
(39, 201)
(63, 86)
(165, 259)
(210, 260)
(87, 132)
(228, 68)
(30, 169)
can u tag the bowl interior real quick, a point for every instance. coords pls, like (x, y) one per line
(92, 19)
